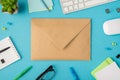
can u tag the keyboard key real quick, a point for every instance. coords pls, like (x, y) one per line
(87, 0)
(66, 9)
(94, 2)
(75, 1)
(70, 8)
(81, 6)
(64, 0)
(76, 7)
(68, 3)
(80, 1)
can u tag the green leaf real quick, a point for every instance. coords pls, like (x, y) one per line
(14, 7)
(8, 1)
(4, 9)
(3, 1)
(14, 1)
(10, 10)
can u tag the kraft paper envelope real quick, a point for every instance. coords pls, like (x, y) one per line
(60, 39)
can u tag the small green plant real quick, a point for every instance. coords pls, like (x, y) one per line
(9, 6)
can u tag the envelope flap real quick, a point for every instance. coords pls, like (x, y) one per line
(61, 31)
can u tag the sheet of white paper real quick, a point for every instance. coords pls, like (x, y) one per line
(37, 5)
(11, 55)
(111, 72)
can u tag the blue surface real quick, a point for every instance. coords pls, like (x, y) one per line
(20, 34)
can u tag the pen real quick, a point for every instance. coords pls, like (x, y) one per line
(4, 49)
(23, 73)
(45, 5)
(74, 73)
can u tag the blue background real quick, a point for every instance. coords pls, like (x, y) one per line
(21, 34)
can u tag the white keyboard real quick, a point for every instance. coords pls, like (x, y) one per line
(69, 6)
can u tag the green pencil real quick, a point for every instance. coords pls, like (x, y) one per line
(23, 73)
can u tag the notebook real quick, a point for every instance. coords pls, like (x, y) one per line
(111, 72)
(37, 5)
(105, 63)
(9, 55)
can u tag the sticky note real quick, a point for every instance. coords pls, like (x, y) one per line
(37, 5)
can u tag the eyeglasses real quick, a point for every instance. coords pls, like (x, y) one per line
(48, 74)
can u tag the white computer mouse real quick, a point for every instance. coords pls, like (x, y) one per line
(112, 27)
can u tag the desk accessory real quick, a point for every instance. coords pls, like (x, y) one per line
(118, 10)
(107, 70)
(107, 11)
(4, 49)
(108, 48)
(9, 6)
(69, 6)
(10, 23)
(105, 63)
(60, 39)
(112, 27)
(38, 5)
(114, 44)
(45, 5)
(4, 28)
(72, 70)
(118, 56)
(8, 53)
(110, 72)
(48, 74)
(23, 73)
